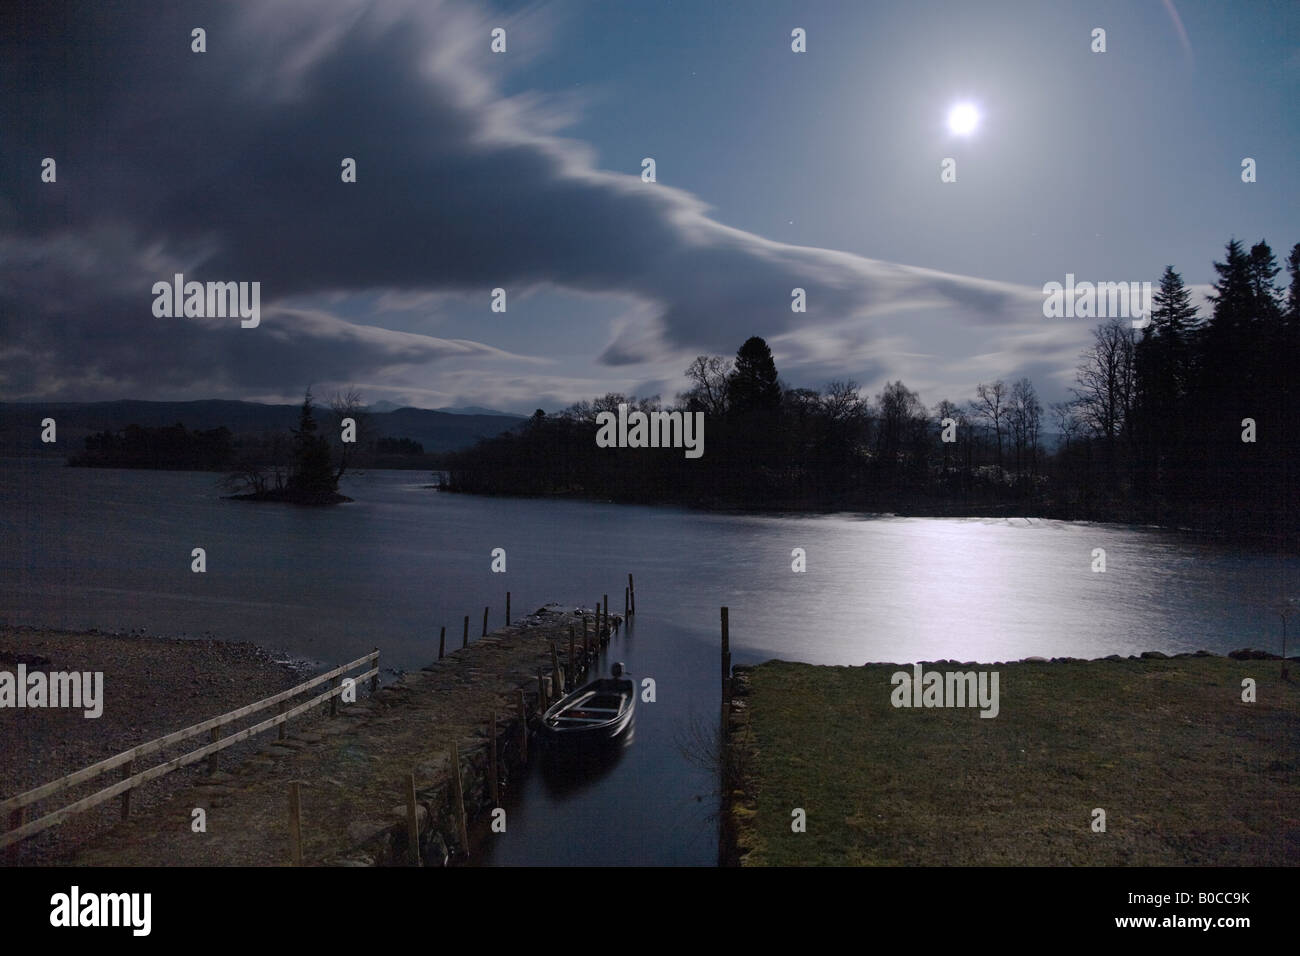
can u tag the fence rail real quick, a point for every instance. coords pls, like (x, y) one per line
(14, 807)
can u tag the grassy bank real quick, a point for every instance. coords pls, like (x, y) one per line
(1186, 772)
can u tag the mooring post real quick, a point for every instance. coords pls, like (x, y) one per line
(597, 619)
(465, 640)
(555, 668)
(295, 824)
(573, 664)
(213, 736)
(523, 728)
(492, 761)
(460, 797)
(607, 610)
(128, 772)
(412, 820)
(485, 614)
(586, 643)
(374, 680)
(631, 588)
(726, 667)
(507, 609)
(442, 641)
(626, 603)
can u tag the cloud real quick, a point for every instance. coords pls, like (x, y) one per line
(226, 165)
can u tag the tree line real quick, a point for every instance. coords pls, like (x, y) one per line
(1190, 421)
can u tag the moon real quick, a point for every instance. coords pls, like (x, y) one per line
(963, 118)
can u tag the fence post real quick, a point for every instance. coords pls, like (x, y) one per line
(295, 824)
(412, 820)
(573, 664)
(128, 772)
(726, 667)
(442, 641)
(492, 761)
(460, 797)
(523, 728)
(334, 698)
(485, 615)
(464, 642)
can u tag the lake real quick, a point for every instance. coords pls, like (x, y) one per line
(111, 549)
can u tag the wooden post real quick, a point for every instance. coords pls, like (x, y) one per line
(465, 639)
(541, 691)
(460, 797)
(374, 681)
(213, 736)
(412, 820)
(586, 643)
(573, 664)
(485, 614)
(295, 824)
(128, 771)
(607, 610)
(442, 642)
(631, 588)
(598, 620)
(283, 707)
(492, 761)
(507, 609)
(334, 698)
(555, 668)
(523, 728)
(626, 603)
(726, 667)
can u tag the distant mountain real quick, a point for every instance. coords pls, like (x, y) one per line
(476, 410)
(20, 422)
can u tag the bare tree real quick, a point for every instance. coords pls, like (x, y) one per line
(709, 375)
(1104, 396)
(990, 406)
(1025, 415)
(349, 406)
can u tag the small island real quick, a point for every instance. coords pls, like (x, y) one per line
(310, 479)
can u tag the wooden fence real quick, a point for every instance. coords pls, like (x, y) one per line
(14, 809)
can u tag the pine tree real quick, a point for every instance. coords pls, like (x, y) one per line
(1293, 293)
(313, 476)
(753, 385)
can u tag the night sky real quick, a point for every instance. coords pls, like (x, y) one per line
(522, 170)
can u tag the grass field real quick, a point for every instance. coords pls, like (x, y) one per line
(1186, 772)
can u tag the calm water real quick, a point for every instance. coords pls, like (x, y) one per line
(111, 549)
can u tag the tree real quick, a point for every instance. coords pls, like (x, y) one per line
(1293, 291)
(708, 393)
(1025, 416)
(752, 386)
(344, 406)
(1104, 396)
(313, 475)
(990, 406)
